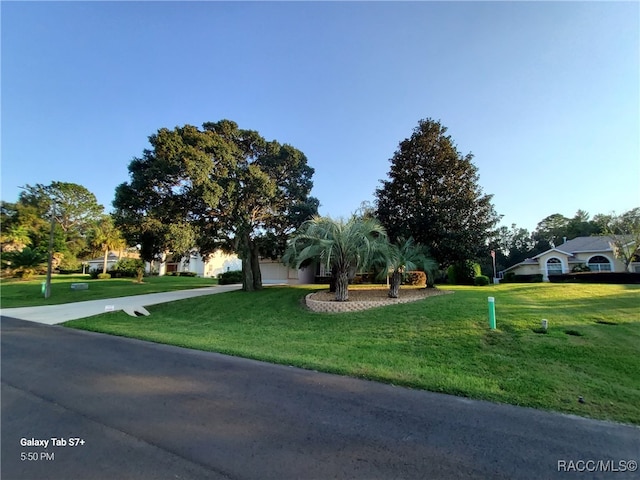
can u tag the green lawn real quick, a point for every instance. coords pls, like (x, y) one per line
(441, 344)
(20, 293)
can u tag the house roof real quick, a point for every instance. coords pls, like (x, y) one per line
(526, 261)
(110, 258)
(594, 244)
(582, 244)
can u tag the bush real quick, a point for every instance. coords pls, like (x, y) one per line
(227, 278)
(597, 277)
(127, 267)
(188, 274)
(581, 268)
(481, 280)
(64, 271)
(93, 273)
(104, 276)
(416, 278)
(463, 273)
(513, 278)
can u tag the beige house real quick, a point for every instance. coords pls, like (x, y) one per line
(275, 272)
(595, 252)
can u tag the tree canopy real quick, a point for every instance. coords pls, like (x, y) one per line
(28, 221)
(624, 230)
(433, 195)
(219, 187)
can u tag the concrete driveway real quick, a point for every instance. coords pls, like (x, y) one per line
(149, 411)
(54, 314)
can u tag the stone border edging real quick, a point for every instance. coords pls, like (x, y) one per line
(321, 306)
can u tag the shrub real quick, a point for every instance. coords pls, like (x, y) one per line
(416, 278)
(232, 276)
(93, 273)
(463, 273)
(187, 274)
(25, 263)
(481, 280)
(513, 278)
(64, 271)
(597, 277)
(104, 276)
(127, 267)
(581, 268)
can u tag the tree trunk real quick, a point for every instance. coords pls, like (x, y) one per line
(104, 264)
(332, 281)
(255, 267)
(394, 286)
(251, 276)
(342, 287)
(247, 274)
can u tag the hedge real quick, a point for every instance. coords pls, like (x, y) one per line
(231, 277)
(597, 277)
(416, 278)
(513, 278)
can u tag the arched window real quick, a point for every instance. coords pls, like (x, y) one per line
(554, 266)
(599, 264)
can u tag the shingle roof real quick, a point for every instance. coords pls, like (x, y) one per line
(599, 243)
(586, 244)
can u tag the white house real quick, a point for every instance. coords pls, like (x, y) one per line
(273, 271)
(98, 263)
(215, 264)
(595, 252)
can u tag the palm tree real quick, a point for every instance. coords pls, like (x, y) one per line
(406, 255)
(107, 237)
(25, 262)
(343, 247)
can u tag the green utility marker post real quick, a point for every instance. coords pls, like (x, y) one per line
(492, 313)
(44, 287)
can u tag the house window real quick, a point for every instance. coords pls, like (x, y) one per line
(599, 264)
(554, 266)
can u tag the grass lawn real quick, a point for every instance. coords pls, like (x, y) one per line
(442, 344)
(21, 293)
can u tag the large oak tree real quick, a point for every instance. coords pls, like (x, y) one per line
(219, 187)
(433, 195)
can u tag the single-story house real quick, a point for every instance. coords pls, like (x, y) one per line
(98, 263)
(273, 271)
(596, 252)
(215, 264)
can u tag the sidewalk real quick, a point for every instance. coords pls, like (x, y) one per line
(54, 314)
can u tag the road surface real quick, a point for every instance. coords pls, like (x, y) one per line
(128, 409)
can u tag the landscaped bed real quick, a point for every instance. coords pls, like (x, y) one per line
(366, 297)
(591, 350)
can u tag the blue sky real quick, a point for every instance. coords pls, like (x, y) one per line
(544, 94)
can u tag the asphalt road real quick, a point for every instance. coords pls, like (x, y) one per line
(145, 411)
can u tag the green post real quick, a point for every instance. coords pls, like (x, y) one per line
(44, 287)
(492, 313)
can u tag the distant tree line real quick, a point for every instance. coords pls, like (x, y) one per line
(81, 229)
(513, 245)
(223, 187)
